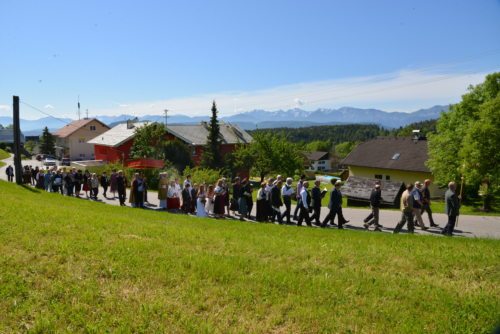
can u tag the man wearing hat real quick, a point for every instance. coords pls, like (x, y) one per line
(335, 206)
(375, 199)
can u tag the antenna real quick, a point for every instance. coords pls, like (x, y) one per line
(78, 107)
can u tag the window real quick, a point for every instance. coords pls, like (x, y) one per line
(92, 128)
(396, 156)
(378, 176)
(81, 140)
(321, 162)
(387, 177)
(82, 155)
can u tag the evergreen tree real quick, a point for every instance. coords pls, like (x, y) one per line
(212, 157)
(47, 142)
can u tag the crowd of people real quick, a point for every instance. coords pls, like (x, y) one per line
(273, 199)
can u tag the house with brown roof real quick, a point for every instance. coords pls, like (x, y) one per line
(317, 161)
(392, 159)
(71, 140)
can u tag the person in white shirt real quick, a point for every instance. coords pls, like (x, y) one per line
(287, 192)
(304, 205)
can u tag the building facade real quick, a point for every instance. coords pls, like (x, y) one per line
(72, 139)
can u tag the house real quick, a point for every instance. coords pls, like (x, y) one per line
(318, 161)
(71, 140)
(399, 159)
(7, 136)
(115, 144)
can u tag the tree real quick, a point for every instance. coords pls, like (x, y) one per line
(211, 157)
(467, 139)
(47, 142)
(343, 149)
(270, 153)
(178, 154)
(149, 142)
(30, 146)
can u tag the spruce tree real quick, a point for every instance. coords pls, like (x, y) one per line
(47, 142)
(211, 154)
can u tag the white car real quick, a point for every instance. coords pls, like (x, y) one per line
(49, 162)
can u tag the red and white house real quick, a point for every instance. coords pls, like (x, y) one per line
(115, 144)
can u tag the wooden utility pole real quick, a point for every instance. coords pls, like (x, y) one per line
(18, 170)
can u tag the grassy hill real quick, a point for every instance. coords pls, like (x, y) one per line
(70, 265)
(3, 155)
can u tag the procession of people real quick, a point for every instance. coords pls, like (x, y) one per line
(224, 199)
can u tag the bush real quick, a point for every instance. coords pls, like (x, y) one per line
(202, 175)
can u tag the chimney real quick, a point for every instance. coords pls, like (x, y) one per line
(417, 135)
(130, 124)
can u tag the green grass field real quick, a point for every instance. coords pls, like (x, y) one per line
(69, 265)
(3, 155)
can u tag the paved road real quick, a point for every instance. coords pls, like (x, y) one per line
(468, 226)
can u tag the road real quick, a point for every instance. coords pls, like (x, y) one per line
(468, 226)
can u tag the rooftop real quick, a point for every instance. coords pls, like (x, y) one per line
(72, 127)
(401, 153)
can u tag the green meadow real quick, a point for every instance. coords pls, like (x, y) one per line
(75, 266)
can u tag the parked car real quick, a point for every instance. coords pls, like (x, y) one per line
(49, 161)
(65, 162)
(40, 157)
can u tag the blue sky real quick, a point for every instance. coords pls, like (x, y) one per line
(140, 57)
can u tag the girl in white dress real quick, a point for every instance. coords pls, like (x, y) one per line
(201, 201)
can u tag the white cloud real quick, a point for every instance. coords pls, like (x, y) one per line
(49, 106)
(4, 107)
(400, 91)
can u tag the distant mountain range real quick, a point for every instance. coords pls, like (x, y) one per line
(263, 119)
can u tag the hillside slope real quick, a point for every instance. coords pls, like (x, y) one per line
(78, 266)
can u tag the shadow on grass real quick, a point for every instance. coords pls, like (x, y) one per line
(30, 188)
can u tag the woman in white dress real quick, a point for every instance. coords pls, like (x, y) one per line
(209, 205)
(201, 201)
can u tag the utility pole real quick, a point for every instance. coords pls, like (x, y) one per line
(18, 170)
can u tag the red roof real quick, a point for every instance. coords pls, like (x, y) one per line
(72, 127)
(145, 163)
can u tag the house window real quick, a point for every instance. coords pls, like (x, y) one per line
(321, 162)
(396, 156)
(81, 140)
(387, 177)
(378, 176)
(92, 128)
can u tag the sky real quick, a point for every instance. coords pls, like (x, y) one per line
(142, 57)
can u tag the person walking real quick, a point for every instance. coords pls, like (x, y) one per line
(297, 197)
(286, 193)
(10, 173)
(335, 206)
(373, 217)
(186, 198)
(94, 186)
(104, 184)
(209, 205)
(451, 208)
(163, 190)
(245, 193)
(261, 215)
(426, 202)
(138, 191)
(78, 179)
(121, 186)
(417, 205)
(276, 202)
(304, 205)
(316, 195)
(201, 200)
(406, 211)
(219, 199)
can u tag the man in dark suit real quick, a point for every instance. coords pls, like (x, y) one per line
(375, 199)
(335, 206)
(426, 202)
(316, 196)
(186, 198)
(276, 202)
(451, 208)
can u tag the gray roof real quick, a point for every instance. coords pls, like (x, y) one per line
(360, 188)
(197, 134)
(116, 135)
(193, 134)
(7, 136)
(401, 153)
